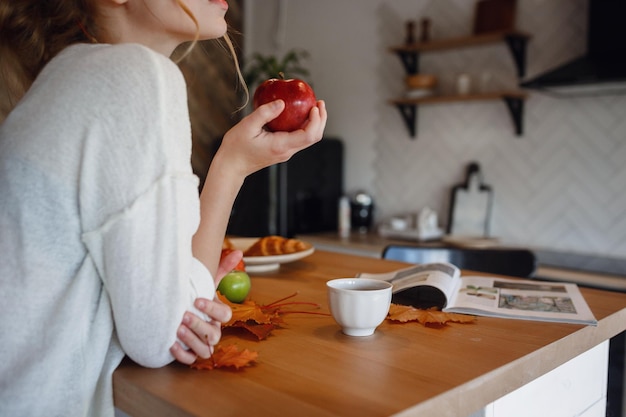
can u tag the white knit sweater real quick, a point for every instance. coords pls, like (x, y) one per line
(98, 204)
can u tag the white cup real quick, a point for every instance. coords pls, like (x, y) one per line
(359, 305)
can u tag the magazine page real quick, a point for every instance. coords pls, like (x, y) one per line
(424, 285)
(521, 299)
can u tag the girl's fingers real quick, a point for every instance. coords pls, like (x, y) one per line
(208, 332)
(181, 355)
(216, 310)
(198, 344)
(199, 335)
(265, 113)
(321, 105)
(227, 264)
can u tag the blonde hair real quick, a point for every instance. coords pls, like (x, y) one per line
(34, 31)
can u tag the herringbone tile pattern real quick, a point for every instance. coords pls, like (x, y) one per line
(561, 185)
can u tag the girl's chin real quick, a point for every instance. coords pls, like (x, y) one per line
(214, 31)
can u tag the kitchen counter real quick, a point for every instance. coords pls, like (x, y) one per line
(308, 367)
(586, 270)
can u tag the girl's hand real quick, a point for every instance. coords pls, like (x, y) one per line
(227, 264)
(200, 336)
(247, 147)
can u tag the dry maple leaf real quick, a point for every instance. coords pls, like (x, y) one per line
(248, 310)
(430, 317)
(261, 331)
(258, 319)
(226, 356)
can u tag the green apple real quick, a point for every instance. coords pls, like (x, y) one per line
(235, 286)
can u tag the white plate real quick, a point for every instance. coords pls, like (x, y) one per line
(266, 263)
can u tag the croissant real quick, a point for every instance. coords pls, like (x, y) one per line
(275, 245)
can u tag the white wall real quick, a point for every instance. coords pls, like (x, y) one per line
(344, 61)
(559, 186)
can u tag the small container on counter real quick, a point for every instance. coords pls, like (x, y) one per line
(344, 217)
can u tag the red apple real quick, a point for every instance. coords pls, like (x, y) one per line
(299, 99)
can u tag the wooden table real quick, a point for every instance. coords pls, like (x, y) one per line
(309, 368)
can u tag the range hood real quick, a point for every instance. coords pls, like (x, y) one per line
(602, 70)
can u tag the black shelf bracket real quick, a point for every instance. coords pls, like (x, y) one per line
(516, 42)
(517, 46)
(516, 108)
(409, 115)
(411, 60)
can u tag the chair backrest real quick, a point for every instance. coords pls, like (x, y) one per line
(509, 261)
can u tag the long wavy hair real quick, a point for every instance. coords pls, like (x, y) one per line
(32, 32)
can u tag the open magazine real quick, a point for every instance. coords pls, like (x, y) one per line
(441, 285)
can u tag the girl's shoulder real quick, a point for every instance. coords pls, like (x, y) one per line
(126, 58)
(119, 69)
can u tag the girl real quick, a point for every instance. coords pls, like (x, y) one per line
(108, 250)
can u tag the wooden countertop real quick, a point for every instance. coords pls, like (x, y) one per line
(310, 368)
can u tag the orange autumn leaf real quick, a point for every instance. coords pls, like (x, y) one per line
(261, 331)
(430, 317)
(226, 356)
(258, 319)
(248, 310)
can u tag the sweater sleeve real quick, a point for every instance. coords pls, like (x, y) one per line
(139, 198)
(145, 261)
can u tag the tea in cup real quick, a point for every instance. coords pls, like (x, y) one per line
(359, 305)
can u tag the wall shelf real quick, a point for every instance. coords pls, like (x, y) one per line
(515, 40)
(514, 101)
(409, 55)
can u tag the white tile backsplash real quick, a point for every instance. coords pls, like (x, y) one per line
(558, 186)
